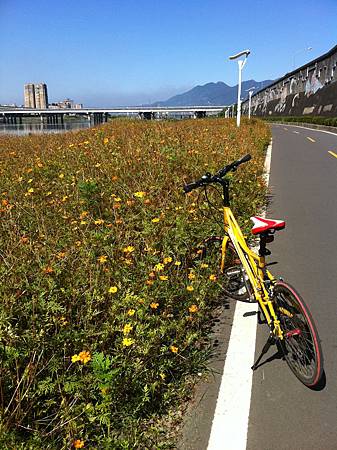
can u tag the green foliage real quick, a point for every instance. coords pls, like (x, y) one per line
(318, 120)
(102, 322)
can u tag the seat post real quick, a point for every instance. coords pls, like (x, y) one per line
(264, 238)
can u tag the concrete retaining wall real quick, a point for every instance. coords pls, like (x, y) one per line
(309, 90)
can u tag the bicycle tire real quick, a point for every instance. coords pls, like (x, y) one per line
(301, 344)
(233, 281)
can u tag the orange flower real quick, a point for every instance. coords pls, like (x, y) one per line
(78, 443)
(154, 305)
(174, 349)
(213, 277)
(193, 308)
(48, 270)
(190, 288)
(84, 356)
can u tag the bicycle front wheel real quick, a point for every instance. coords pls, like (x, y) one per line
(301, 344)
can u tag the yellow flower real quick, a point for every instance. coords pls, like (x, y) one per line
(158, 267)
(78, 443)
(105, 140)
(163, 277)
(167, 260)
(162, 376)
(75, 358)
(84, 357)
(128, 249)
(177, 263)
(127, 342)
(204, 266)
(193, 308)
(113, 290)
(98, 222)
(139, 194)
(213, 277)
(154, 305)
(61, 175)
(102, 259)
(131, 312)
(174, 349)
(190, 288)
(191, 276)
(84, 214)
(127, 328)
(117, 199)
(155, 220)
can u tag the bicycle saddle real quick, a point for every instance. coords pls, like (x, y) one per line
(261, 225)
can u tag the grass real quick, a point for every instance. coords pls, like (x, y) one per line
(102, 322)
(317, 120)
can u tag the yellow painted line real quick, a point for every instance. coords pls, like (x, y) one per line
(333, 154)
(310, 139)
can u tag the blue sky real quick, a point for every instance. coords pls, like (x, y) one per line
(108, 53)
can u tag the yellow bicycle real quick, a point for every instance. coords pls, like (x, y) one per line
(244, 276)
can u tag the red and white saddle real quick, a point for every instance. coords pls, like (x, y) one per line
(261, 224)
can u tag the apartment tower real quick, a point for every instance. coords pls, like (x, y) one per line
(29, 95)
(41, 96)
(36, 96)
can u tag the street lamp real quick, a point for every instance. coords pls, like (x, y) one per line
(300, 51)
(250, 93)
(241, 63)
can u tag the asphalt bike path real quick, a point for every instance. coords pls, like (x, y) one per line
(303, 182)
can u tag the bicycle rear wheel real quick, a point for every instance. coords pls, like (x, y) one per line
(233, 280)
(301, 344)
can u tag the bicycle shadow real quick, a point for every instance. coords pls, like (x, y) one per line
(278, 355)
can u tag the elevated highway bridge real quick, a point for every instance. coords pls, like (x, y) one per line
(100, 115)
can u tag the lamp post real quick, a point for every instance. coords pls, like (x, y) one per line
(241, 63)
(300, 51)
(250, 93)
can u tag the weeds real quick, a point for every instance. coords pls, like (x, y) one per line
(101, 319)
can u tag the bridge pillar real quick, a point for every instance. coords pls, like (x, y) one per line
(199, 114)
(148, 115)
(62, 118)
(106, 117)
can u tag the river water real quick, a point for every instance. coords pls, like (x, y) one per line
(33, 128)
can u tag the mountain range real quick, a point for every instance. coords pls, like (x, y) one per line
(213, 94)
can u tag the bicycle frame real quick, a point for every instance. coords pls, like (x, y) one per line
(254, 265)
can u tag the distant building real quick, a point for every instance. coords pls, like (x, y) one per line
(66, 104)
(29, 94)
(36, 95)
(41, 96)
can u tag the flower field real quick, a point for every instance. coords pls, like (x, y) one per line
(102, 320)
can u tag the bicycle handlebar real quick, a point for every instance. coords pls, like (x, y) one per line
(208, 178)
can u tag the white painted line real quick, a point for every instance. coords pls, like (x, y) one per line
(296, 132)
(231, 417)
(313, 129)
(230, 423)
